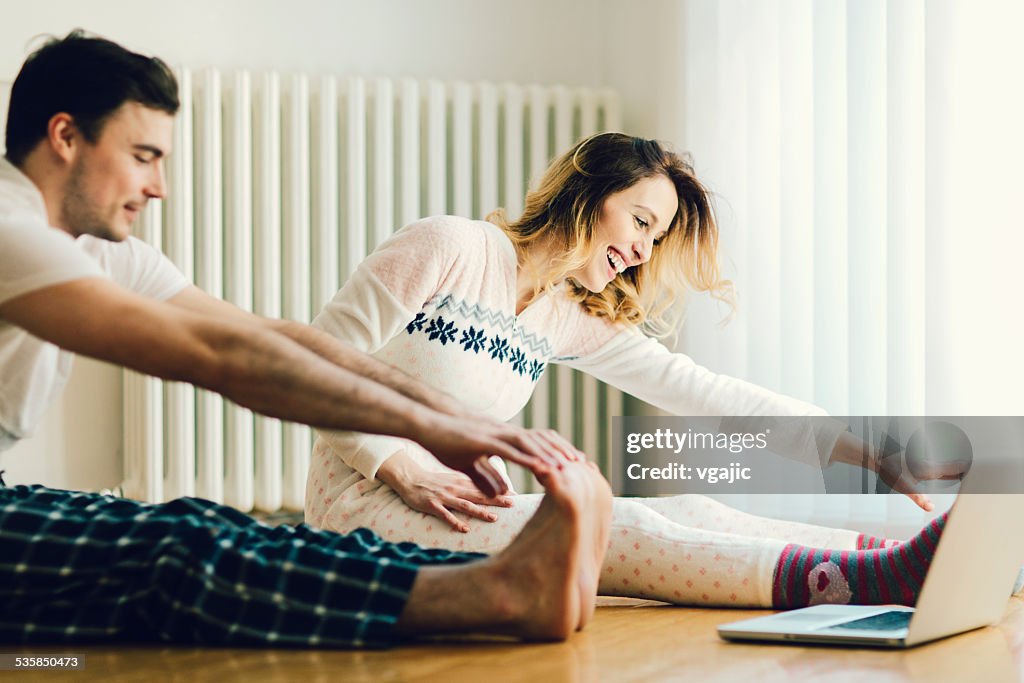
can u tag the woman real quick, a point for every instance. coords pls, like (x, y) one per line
(617, 230)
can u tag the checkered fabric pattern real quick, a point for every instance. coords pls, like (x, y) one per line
(87, 567)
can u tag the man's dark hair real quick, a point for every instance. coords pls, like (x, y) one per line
(88, 78)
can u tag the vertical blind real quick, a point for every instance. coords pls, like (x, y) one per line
(841, 141)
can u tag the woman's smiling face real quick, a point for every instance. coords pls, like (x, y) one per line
(631, 223)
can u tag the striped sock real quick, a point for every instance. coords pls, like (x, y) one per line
(813, 576)
(869, 542)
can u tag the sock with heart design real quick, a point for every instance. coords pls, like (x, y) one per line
(812, 576)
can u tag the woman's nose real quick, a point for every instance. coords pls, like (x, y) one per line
(642, 250)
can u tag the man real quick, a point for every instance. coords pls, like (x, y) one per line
(88, 128)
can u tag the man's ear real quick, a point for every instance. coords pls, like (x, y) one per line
(63, 136)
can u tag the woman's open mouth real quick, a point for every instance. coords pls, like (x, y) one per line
(615, 261)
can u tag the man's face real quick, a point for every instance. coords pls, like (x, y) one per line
(111, 181)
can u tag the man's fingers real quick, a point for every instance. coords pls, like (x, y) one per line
(549, 443)
(552, 446)
(537, 464)
(562, 446)
(483, 483)
(498, 484)
(487, 478)
(533, 444)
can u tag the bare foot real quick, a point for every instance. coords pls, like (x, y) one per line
(542, 587)
(601, 509)
(562, 549)
(598, 505)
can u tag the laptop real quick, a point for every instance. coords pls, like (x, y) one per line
(967, 586)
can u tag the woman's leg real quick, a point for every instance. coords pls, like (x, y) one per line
(726, 569)
(650, 556)
(702, 512)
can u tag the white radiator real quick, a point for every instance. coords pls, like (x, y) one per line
(278, 187)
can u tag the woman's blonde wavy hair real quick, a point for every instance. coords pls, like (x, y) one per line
(566, 207)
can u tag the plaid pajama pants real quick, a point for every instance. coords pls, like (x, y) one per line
(85, 567)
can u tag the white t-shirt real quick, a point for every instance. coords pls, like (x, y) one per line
(34, 255)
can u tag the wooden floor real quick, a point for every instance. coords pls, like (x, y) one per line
(629, 640)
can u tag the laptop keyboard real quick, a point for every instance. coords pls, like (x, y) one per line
(886, 621)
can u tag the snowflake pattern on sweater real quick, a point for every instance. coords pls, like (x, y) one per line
(500, 346)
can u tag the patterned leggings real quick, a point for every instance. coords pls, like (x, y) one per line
(687, 549)
(82, 566)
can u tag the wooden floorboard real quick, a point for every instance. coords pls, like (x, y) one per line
(629, 640)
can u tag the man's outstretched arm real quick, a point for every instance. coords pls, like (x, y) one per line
(345, 356)
(324, 345)
(258, 368)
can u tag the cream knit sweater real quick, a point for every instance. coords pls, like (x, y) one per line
(438, 299)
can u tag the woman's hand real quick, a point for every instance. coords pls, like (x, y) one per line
(440, 494)
(892, 470)
(463, 442)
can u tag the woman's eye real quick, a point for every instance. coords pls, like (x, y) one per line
(641, 222)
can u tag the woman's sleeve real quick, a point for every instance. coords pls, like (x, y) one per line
(392, 284)
(381, 297)
(645, 368)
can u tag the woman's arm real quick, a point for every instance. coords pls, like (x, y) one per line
(671, 381)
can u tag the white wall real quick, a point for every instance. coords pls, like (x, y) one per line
(524, 41)
(528, 40)
(643, 60)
